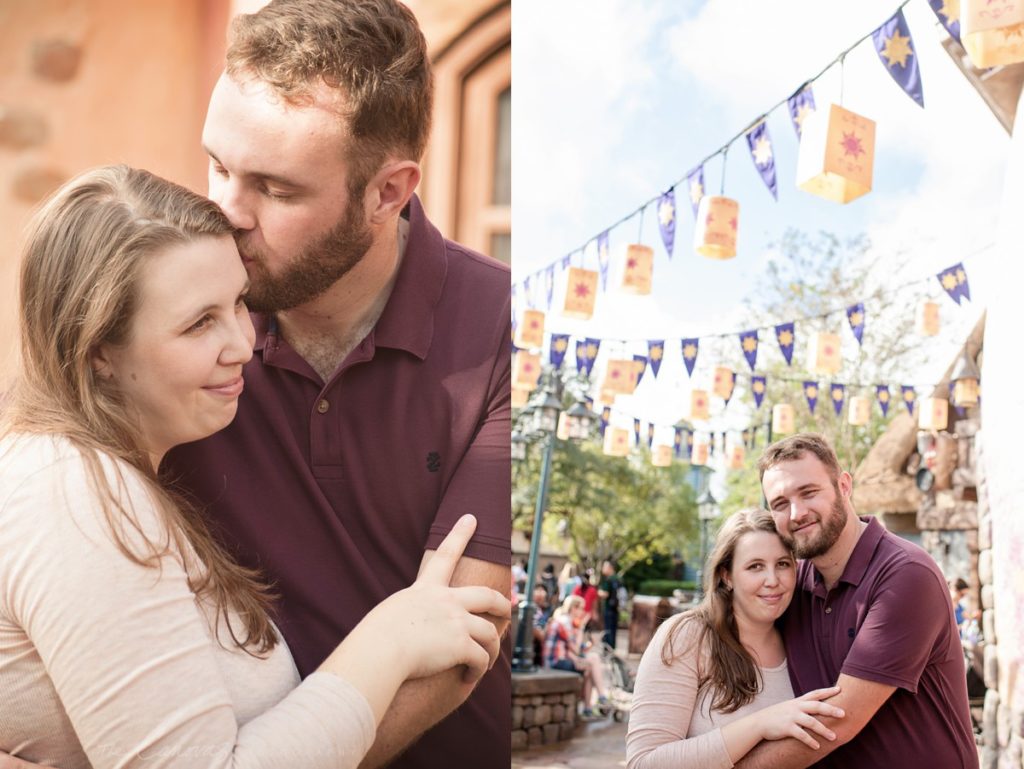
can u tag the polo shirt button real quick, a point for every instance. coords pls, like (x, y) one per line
(828, 609)
(322, 406)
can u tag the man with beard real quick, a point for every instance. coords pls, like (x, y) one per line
(870, 614)
(376, 408)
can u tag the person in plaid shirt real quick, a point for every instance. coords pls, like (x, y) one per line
(564, 649)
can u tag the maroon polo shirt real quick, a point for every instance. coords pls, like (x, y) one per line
(888, 619)
(335, 490)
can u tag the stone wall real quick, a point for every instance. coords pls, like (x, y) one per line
(544, 706)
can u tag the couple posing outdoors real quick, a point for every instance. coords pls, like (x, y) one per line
(312, 573)
(863, 628)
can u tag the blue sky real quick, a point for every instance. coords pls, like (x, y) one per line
(615, 100)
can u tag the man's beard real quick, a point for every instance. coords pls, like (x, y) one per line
(318, 268)
(829, 530)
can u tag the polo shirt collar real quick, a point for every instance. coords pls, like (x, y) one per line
(407, 322)
(859, 561)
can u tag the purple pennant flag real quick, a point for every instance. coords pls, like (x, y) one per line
(954, 281)
(655, 352)
(581, 356)
(636, 430)
(760, 143)
(689, 443)
(606, 416)
(604, 257)
(855, 314)
(690, 354)
(695, 187)
(732, 390)
(650, 434)
(590, 403)
(948, 12)
(758, 385)
(515, 287)
(559, 346)
(640, 359)
(747, 440)
(549, 284)
(909, 396)
(801, 104)
(811, 393)
(882, 394)
(593, 345)
(786, 335)
(711, 444)
(838, 397)
(896, 51)
(566, 261)
(748, 342)
(667, 220)
(528, 291)
(677, 441)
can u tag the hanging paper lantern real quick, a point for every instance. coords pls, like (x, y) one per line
(620, 377)
(530, 331)
(717, 223)
(965, 393)
(525, 370)
(661, 455)
(823, 353)
(992, 31)
(699, 453)
(636, 278)
(724, 382)
(927, 319)
(737, 456)
(933, 414)
(837, 151)
(616, 442)
(580, 293)
(783, 419)
(520, 397)
(699, 405)
(860, 410)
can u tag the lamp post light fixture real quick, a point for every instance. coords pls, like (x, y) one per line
(965, 382)
(579, 420)
(518, 446)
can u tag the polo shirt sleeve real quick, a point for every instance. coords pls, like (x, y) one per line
(482, 482)
(908, 613)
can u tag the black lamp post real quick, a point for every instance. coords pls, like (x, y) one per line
(707, 511)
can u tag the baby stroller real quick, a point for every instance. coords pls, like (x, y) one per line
(620, 683)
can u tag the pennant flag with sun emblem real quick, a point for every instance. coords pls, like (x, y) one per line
(883, 397)
(855, 314)
(581, 356)
(606, 417)
(650, 434)
(695, 187)
(896, 50)
(655, 352)
(748, 342)
(954, 281)
(732, 389)
(690, 354)
(909, 396)
(760, 143)
(549, 284)
(641, 367)
(604, 257)
(948, 12)
(786, 335)
(593, 345)
(758, 386)
(838, 397)
(811, 393)
(801, 104)
(667, 220)
(636, 430)
(559, 346)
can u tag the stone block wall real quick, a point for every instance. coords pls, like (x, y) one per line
(544, 706)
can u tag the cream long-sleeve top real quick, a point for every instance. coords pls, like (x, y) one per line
(106, 663)
(670, 726)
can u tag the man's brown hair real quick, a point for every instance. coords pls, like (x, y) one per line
(372, 51)
(794, 447)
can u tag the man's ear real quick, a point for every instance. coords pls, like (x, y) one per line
(390, 189)
(845, 484)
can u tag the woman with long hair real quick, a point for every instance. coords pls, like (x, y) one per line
(566, 648)
(128, 637)
(713, 682)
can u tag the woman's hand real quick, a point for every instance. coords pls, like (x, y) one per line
(790, 718)
(438, 627)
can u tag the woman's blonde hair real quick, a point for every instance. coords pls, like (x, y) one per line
(723, 663)
(85, 251)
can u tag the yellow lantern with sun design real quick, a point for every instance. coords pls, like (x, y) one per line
(620, 377)
(992, 32)
(530, 331)
(699, 408)
(737, 456)
(724, 382)
(837, 151)
(616, 441)
(933, 414)
(580, 293)
(927, 319)
(661, 455)
(525, 370)
(783, 419)
(717, 224)
(637, 274)
(699, 453)
(824, 353)
(860, 411)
